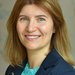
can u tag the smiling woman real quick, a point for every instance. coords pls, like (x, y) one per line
(37, 42)
(35, 25)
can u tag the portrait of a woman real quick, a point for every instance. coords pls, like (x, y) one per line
(38, 42)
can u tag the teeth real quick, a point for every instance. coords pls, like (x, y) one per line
(32, 37)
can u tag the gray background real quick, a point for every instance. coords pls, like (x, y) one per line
(68, 7)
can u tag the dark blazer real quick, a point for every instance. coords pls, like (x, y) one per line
(53, 64)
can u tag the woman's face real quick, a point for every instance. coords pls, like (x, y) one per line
(35, 27)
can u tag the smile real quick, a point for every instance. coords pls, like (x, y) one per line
(32, 37)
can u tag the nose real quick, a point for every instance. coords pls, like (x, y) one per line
(31, 27)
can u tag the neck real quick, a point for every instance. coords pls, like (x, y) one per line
(36, 57)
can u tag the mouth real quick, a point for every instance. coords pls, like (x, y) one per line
(32, 37)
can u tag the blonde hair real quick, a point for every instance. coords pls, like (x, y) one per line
(17, 52)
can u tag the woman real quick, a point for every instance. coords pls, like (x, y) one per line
(37, 41)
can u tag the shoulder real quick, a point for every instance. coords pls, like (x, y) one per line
(66, 72)
(10, 70)
(63, 68)
(14, 70)
(70, 72)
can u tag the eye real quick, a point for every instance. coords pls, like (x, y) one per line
(23, 19)
(41, 19)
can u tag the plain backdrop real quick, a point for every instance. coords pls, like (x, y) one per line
(68, 7)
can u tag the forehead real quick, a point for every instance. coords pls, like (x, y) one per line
(33, 10)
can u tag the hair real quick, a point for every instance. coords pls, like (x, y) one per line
(17, 52)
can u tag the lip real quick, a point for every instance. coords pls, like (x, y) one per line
(32, 37)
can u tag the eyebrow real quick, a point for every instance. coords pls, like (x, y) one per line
(23, 16)
(41, 16)
(37, 16)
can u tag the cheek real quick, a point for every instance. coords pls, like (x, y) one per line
(47, 29)
(20, 28)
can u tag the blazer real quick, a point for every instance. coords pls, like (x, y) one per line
(53, 64)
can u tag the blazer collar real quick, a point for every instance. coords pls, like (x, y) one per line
(51, 59)
(49, 62)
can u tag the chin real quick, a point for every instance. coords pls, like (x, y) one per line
(32, 48)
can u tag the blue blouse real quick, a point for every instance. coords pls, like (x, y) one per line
(29, 71)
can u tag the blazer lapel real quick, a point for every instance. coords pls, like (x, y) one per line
(19, 69)
(49, 63)
(46, 67)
